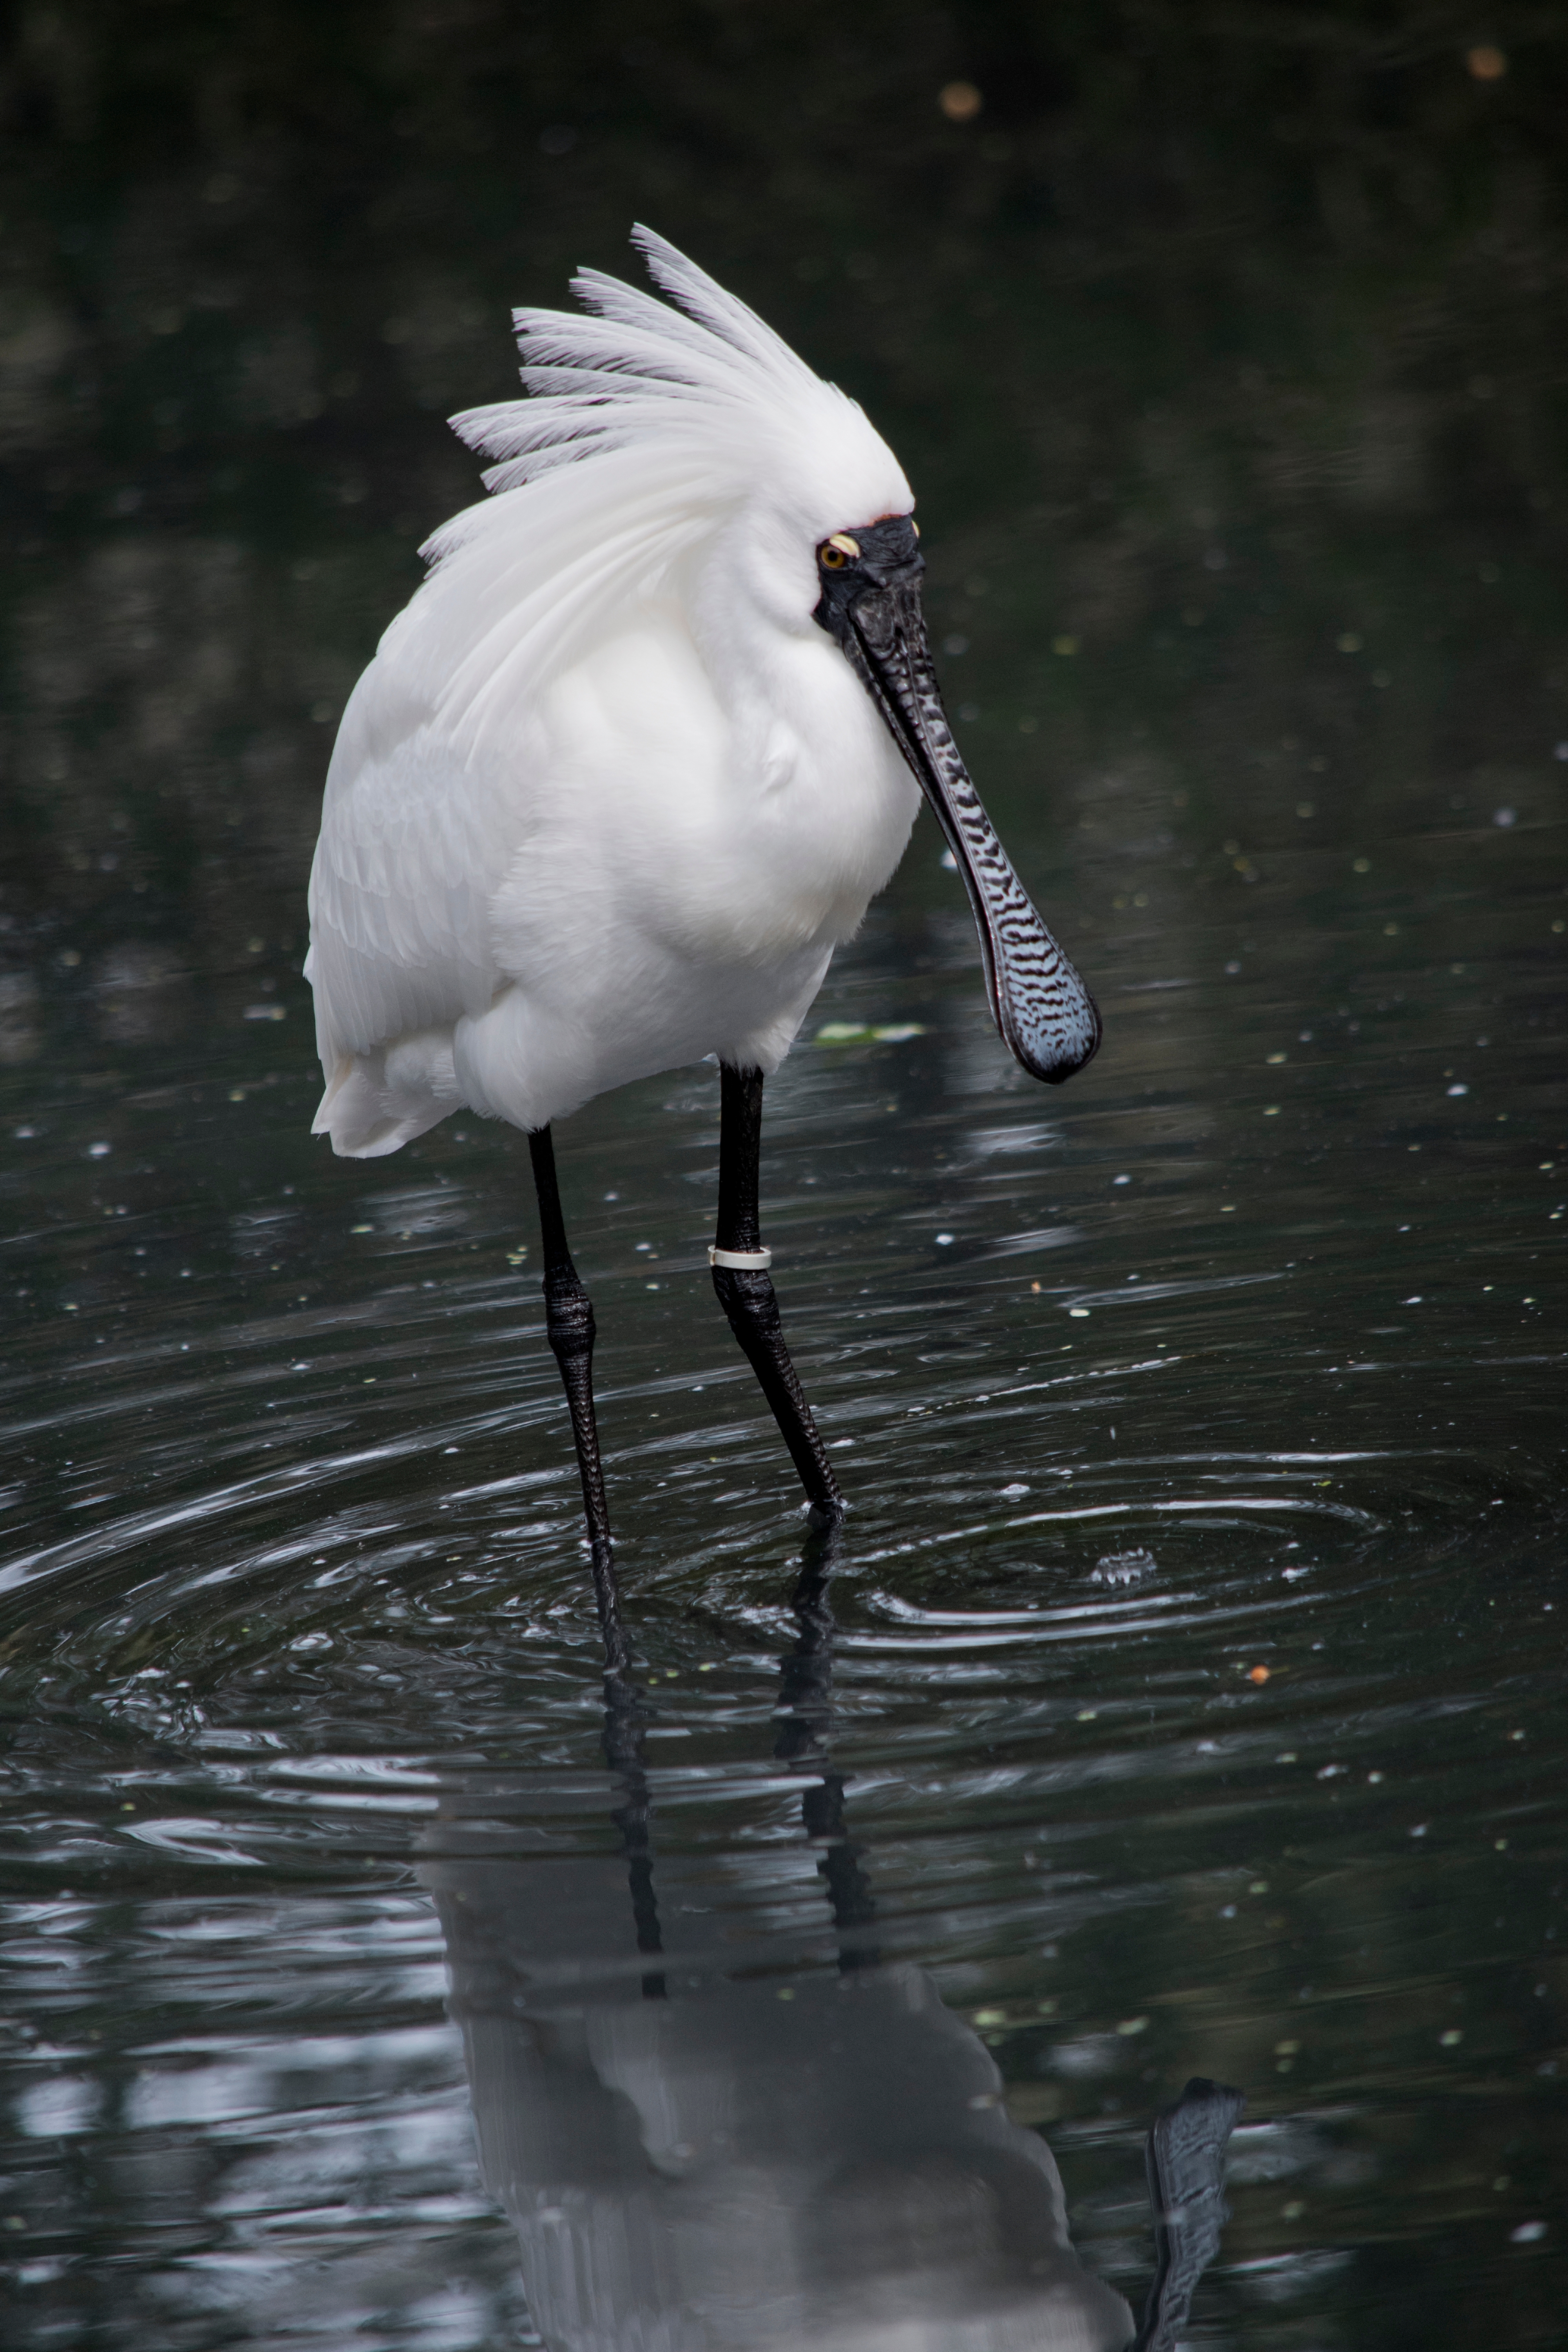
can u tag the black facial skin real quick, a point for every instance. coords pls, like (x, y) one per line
(870, 605)
(890, 557)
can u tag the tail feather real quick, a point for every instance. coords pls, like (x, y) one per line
(376, 1102)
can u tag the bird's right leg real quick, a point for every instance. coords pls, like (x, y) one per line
(746, 1292)
(569, 1323)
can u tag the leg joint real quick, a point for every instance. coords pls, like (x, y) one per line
(568, 1313)
(747, 1298)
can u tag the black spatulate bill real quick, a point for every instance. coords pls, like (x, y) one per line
(871, 604)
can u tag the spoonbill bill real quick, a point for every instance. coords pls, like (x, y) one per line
(628, 768)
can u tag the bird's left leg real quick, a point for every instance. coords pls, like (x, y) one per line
(745, 1288)
(569, 1324)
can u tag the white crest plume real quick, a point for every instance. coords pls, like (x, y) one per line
(646, 427)
(706, 383)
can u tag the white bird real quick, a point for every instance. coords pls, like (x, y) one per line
(631, 765)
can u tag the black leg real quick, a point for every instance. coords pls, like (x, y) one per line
(569, 1321)
(746, 1294)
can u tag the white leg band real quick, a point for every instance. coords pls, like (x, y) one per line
(746, 1261)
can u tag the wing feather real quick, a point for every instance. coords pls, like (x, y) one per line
(414, 840)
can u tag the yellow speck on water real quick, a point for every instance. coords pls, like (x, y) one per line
(786, 1992)
(1034, 1286)
(1259, 1886)
(362, 1229)
(1088, 1714)
(1131, 2025)
(989, 2017)
(1080, 1314)
(1293, 2211)
(1286, 2049)
(1361, 865)
(1065, 645)
(1452, 2039)
(1227, 1208)
(1271, 1110)
(1274, 1059)
(1391, 930)
(1348, 642)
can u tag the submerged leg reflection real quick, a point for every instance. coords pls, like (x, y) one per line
(624, 1725)
(803, 1742)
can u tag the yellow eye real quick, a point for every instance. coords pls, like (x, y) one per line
(832, 558)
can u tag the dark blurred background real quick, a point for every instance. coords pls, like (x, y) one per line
(1226, 346)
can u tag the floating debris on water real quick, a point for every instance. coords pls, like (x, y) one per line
(860, 1033)
(1124, 1568)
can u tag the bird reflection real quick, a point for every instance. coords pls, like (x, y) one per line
(698, 2150)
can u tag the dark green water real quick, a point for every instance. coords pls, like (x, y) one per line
(1229, 360)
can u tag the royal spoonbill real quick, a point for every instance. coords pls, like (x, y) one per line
(630, 766)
